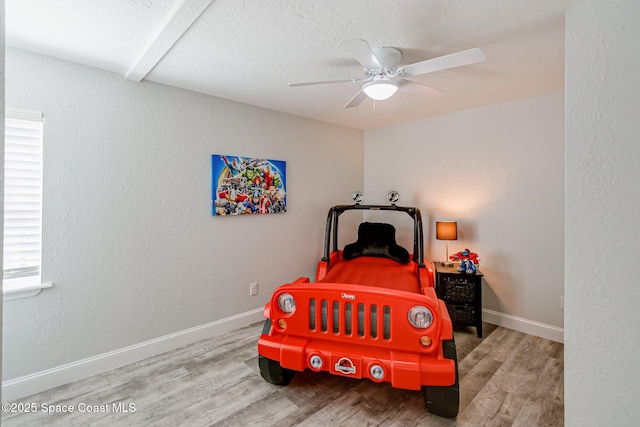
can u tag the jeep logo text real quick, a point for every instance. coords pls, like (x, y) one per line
(348, 296)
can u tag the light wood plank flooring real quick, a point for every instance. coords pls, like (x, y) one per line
(508, 378)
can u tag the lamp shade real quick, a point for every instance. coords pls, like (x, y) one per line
(446, 230)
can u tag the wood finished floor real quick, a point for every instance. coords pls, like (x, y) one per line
(506, 379)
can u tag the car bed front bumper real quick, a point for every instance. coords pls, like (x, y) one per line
(405, 370)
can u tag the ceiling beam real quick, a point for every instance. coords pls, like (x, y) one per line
(178, 22)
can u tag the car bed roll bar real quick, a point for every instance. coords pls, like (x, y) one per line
(331, 231)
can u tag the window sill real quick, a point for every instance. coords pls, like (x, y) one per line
(16, 289)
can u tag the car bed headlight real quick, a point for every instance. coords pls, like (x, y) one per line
(420, 317)
(287, 303)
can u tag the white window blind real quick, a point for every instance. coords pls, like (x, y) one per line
(22, 196)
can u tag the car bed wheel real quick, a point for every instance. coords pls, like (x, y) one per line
(444, 401)
(272, 372)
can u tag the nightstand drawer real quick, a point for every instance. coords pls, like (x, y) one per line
(458, 290)
(462, 314)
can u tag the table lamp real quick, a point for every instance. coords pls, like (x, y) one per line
(447, 230)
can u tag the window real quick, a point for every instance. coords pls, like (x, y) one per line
(22, 204)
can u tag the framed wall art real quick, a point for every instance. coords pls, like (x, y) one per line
(247, 186)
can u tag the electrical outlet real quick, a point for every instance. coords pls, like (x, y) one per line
(253, 289)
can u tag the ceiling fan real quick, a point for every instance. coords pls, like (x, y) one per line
(383, 77)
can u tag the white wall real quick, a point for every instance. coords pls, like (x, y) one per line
(602, 366)
(499, 172)
(129, 240)
(1, 151)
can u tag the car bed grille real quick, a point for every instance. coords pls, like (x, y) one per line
(349, 318)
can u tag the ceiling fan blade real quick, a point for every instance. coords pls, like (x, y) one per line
(356, 100)
(416, 87)
(466, 57)
(363, 53)
(323, 82)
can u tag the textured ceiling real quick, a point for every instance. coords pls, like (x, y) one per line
(248, 50)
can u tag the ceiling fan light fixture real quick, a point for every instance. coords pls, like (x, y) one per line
(380, 89)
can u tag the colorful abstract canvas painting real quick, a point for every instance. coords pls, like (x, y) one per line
(247, 186)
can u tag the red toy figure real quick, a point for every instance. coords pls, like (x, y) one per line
(468, 261)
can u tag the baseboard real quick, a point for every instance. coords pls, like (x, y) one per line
(34, 383)
(527, 326)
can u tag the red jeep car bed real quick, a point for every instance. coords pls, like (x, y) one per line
(372, 313)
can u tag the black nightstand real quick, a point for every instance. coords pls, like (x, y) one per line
(463, 295)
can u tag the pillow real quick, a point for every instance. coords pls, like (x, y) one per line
(378, 240)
